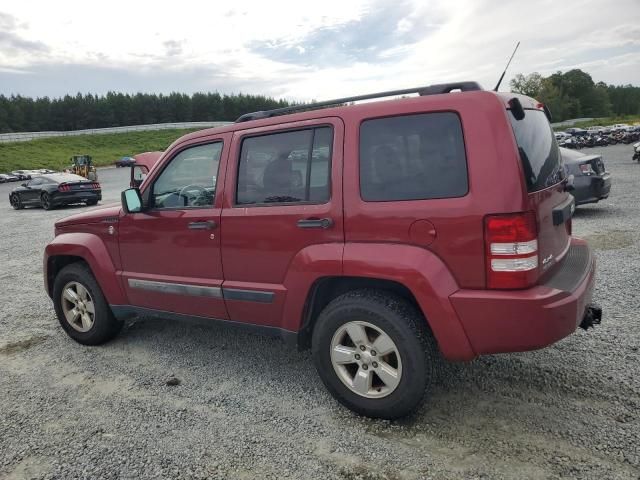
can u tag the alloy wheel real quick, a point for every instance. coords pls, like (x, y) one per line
(78, 306)
(366, 359)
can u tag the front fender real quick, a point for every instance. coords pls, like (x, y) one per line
(92, 250)
(428, 279)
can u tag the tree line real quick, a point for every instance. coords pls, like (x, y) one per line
(574, 94)
(25, 114)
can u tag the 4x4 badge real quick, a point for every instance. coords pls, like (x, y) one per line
(111, 230)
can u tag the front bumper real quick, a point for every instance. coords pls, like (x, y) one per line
(591, 188)
(520, 320)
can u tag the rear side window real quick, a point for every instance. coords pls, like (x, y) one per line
(286, 167)
(412, 157)
(539, 152)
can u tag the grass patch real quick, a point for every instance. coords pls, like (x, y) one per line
(54, 152)
(603, 122)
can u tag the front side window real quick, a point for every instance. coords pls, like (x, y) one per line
(287, 167)
(189, 181)
(412, 157)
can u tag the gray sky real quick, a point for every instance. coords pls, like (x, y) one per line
(306, 50)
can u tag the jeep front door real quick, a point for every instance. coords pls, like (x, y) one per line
(170, 252)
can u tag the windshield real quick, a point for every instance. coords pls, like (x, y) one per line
(538, 149)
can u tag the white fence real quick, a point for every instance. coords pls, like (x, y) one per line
(26, 136)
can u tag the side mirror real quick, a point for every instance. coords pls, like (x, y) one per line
(131, 200)
(138, 175)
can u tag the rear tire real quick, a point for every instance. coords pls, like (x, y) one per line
(89, 321)
(16, 202)
(45, 201)
(91, 203)
(374, 383)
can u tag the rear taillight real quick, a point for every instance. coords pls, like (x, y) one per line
(587, 169)
(95, 186)
(64, 188)
(511, 243)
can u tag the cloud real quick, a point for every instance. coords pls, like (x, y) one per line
(11, 43)
(73, 78)
(381, 34)
(173, 47)
(303, 51)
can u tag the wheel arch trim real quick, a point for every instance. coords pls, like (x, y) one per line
(89, 248)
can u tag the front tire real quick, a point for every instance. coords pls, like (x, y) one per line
(16, 202)
(374, 352)
(82, 310)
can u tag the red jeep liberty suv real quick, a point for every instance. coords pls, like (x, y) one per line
(382, 235)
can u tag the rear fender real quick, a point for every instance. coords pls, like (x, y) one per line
(428, 279)
(93, 251)
(309, 265)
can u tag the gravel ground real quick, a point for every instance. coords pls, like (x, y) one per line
(249, 407)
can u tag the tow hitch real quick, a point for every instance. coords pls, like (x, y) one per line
(592, 316)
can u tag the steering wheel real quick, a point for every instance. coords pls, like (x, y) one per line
(199, 197)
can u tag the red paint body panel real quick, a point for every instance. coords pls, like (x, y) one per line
(521, 320)
(157, 245)
(426, 276)
(260, 243)
(94, 251)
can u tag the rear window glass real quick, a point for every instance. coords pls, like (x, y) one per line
(539, 152)
(412, 157)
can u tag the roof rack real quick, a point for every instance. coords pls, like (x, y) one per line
(422, 91)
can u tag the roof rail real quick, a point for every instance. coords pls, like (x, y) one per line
(422, 91)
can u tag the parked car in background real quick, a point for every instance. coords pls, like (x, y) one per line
(54, 190)
(125, 162)
(7, 177)
(380, 235)
(23, 174)
(144, 163)
(560, 136)
(618, 127)
(591, 181)
(595, 130)
(576, 132)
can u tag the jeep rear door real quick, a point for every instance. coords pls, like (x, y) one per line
(283, 197)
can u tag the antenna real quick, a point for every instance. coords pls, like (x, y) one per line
(505, 68)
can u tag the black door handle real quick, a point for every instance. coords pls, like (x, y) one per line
(315, 223)
(204, 225)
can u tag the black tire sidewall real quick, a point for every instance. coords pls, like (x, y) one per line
(416, 371)
(46, 206)
(105, 325)
(17, 204)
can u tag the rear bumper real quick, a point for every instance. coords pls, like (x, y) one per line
(521, 320)
(66, 198)
(591, 188)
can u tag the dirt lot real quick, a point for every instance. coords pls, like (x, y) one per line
(249, 407)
